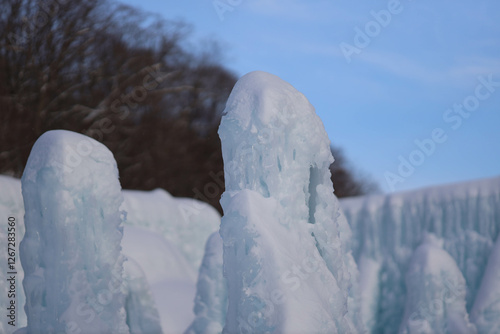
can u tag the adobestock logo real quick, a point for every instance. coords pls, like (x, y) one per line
(223, 6)
(373, 28)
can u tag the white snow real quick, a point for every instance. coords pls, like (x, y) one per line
(186, 223)
(71, 249)
(277, 279)
(280, 215)
(168, 274)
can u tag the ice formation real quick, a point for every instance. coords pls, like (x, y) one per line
(286, 243)
(211, 291)
(387, 230)
(435, 301)
(167, 271)
(142, 315)
(486, 309)
(71, 252)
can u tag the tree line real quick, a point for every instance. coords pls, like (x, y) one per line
(125, 78)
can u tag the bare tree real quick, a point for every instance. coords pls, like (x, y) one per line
(118, 75)
(347, 181)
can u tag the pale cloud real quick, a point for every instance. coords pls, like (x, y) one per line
(457, 74)
(317, 11)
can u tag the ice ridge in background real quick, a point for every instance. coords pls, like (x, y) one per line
(388, 231)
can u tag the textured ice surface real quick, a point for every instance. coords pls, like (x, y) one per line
(388, 229)
(435, 301)
(185, 222)
(211, 291)
(286, 243)
(71, 252)
(369, 280)
(142, 315)
(486, 309)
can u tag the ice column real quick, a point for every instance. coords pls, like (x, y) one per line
(486, 310)
(286, 243)
(211, 291)
(71, 251)
(435, 301)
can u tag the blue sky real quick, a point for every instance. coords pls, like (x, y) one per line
(423, 68)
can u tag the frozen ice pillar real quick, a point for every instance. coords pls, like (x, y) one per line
(286, 252)
(486, 310)
(211, 291)
(436, 292)
(71, 251)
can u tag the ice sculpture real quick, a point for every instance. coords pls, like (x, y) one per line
(71, 252)
(286, 243)
(166, 269)
(435, 301)
(211, 291)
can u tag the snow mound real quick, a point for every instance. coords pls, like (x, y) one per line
(185, 222)
(167, 275)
